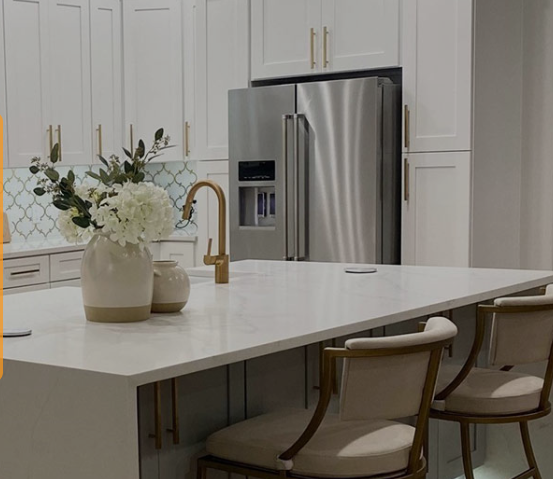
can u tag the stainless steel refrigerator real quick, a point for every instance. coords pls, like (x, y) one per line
(315, 172)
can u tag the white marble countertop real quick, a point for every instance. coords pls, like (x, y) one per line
(55, 245)
(267, 307)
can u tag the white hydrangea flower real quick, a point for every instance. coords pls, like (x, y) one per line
(70, 231)
(135, 213)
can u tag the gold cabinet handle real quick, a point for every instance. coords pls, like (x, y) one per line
(406, 179)
(312, 48)
(187, 138)
(59, 143)
(157, 416)
(100, 149)
(407, 126)
(326, 34)
(51, 138)
(175, 429)
(132, 140)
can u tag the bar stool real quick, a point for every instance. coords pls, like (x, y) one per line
(383, 379)
(522, 333)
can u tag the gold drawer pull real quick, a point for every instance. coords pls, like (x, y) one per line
(22, 273)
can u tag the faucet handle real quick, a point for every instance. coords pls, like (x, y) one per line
(209, 246)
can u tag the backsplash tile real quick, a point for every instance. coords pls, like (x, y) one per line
(32, 217)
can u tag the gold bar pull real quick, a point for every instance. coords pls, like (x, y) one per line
(157, 416)
(312, 48)
(100, 149)
(51, 138)
(407, 127)
(175, 429)
(326, 33)
(59, 143)
(406, 179)
(132, 140)
(187, 138)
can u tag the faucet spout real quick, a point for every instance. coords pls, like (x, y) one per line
(222, 260)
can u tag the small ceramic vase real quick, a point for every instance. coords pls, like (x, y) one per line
(171, 287)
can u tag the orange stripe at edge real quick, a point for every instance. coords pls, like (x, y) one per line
(2, 256)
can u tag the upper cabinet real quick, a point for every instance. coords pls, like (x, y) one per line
(294, 37)
(3, 106)
(70, 79)
(105, 30)
(285, 37)
(153, 80)
(360, 34)
(216, 61)
(29, 116)
(437, 75)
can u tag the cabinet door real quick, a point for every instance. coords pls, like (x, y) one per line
(285, 37)
(437, 75)
(27, 64)
(183, 252)
(70, 79)
(360, 34)
(106, 32)
(3, 93)
(221, 64)
(436, 209)
(153, 56)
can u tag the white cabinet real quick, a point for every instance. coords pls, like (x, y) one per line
(28, 79)
(23, 272)
(291, 37)
(48, 79)
(216, 61)
(153, 80)
(285, 38)
(3, 92)
(437, 75)
(360, 34)
(69, 30)
(25, 289)
(182, 252)
(106, 32)
(436, 209)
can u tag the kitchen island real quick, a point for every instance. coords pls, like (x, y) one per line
(76, 398)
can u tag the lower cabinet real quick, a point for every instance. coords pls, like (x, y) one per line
(436, 209)
(26, 289)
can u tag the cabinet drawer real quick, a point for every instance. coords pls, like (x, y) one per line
(26, 289)
(65, 266)
(26, 271)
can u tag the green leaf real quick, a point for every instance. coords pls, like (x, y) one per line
(120, 179)
(94, 175)
(39, 191)
(141, 148)
(103, 160)
(159, 134)
(61, 205)
(71, 177)
(81, 222)
(52, 174)
(139, 177)
(127, 152)
(55, 153)
(34, 169)
(104, 177)
(128, 167)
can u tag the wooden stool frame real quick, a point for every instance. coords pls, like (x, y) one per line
(417, 467)
(465, 420)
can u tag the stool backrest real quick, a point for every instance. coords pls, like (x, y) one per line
(391, 386)
(523, 334)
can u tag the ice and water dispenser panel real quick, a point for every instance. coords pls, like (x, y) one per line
(257, 193)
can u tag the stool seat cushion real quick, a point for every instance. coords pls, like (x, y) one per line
(338, 449)
(488, 392)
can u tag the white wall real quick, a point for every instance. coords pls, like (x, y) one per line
(537, 148)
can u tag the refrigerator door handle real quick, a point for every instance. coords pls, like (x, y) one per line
(299, 205)
(285, 159)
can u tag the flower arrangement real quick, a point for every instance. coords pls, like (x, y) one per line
(121, 205)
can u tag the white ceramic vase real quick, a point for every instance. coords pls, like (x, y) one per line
(117, 281)
(171, 287)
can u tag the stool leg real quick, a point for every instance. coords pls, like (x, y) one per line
(202, 471)
(527, 442)
(465, 444)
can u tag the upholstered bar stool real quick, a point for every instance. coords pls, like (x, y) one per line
(383, 379)
(522, 333)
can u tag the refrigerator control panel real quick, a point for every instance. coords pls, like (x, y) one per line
(256, 171)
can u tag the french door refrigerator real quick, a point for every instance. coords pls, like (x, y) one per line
(315, 172)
